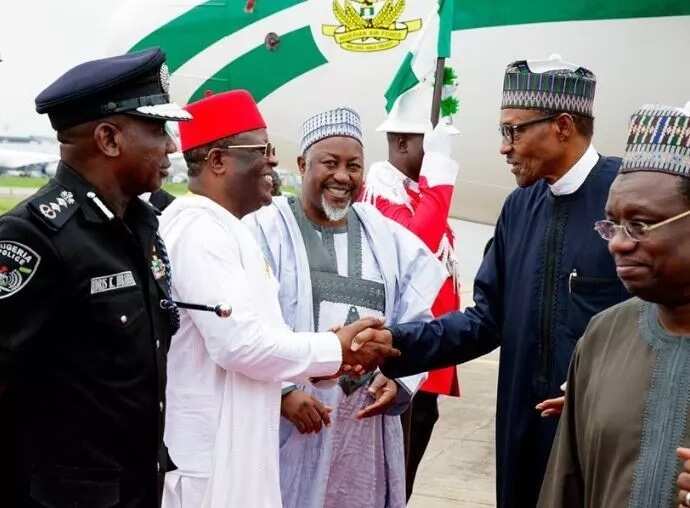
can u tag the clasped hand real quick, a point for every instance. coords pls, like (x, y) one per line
(365, 346)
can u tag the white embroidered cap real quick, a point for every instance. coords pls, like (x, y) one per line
(340, 121)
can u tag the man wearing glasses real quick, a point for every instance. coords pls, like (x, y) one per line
(224, 388)
(546, 273)
(627, 401)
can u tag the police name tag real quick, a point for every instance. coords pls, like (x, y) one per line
(111, 282)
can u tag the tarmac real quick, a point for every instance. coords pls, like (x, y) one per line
(458, 469)
(19, 192)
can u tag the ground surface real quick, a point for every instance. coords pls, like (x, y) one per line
(458, 469)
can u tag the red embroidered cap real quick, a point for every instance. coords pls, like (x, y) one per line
(219, 116)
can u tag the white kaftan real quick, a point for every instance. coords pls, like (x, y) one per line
(224, 375)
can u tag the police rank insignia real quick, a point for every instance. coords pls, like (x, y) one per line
(18, 263)
(54, 207)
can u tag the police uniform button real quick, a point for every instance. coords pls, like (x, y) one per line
(158, 344)
(158, 466)
(123, 319)
(161, 405)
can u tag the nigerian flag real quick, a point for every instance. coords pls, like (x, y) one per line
(419, 64)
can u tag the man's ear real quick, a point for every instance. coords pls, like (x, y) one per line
(401, 143)
(301, 164)
(565, 127)
(215, 162)
(108, 138)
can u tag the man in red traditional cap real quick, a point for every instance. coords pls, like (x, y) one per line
(224, 385)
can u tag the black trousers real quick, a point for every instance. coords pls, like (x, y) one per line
(418, 424)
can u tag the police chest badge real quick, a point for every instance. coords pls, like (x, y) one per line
(18, 263)
(157, 265)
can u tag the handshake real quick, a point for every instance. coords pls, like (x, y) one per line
(365, 344)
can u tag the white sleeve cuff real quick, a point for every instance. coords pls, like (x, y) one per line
(326, 354)
(439, 169)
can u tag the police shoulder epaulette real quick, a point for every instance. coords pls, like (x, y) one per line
(53, 206)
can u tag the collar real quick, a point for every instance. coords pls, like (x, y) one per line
(406, 181)
(192, 200)
(388, 182)
(576, 176)
(92, 206)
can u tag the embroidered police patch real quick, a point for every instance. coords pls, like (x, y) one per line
(18, 263)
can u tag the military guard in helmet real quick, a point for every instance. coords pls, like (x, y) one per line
(84, 337)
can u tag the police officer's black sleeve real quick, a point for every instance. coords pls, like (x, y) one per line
(29, 279)
(456, 337)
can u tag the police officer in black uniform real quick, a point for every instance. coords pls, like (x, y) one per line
(83, 336)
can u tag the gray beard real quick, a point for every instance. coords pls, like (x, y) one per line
(332, 213)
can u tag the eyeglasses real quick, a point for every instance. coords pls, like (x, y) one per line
(635, 230)
(509, 131)
(269, 149)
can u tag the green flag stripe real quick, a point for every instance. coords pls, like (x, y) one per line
(403, 80)
(261, 71)
(478, 14)
(195, 30)
(445, 28)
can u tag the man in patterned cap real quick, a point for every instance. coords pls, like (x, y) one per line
(545, 274)
(341, 443)
(627, 401)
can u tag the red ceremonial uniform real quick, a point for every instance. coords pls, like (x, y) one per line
(423, 207)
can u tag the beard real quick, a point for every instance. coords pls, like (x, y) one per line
(333, 213)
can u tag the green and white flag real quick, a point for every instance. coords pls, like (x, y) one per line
(419, 64)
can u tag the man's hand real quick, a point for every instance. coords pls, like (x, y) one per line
(439, 140)
(369, 350)
(683, 481)
(305, 412)
(384, 391)
(551, 407)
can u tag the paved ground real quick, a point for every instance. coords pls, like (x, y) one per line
(19, 192)
(458, 469)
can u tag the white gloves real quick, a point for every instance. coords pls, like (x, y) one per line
(439, 140)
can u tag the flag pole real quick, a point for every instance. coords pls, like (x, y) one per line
(438, 91)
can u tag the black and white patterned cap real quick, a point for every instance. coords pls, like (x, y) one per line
(659, 140)
(340, 121)
(551, 84)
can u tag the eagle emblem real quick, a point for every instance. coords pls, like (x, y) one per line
(369, 25)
